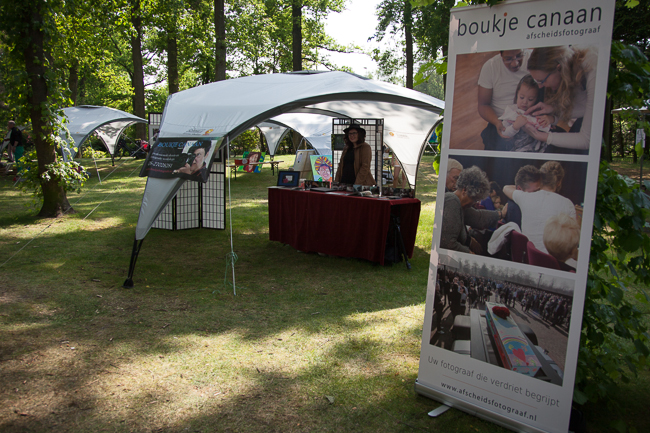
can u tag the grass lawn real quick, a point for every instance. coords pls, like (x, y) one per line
(309, 343)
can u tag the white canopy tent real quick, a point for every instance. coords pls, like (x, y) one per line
(107, 122)
(227, 108)
(274, 133)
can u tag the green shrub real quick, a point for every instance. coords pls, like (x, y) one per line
(89, 152)
(614, 340)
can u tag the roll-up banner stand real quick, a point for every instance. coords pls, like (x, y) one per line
(525, 103)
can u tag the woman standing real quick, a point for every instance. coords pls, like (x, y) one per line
(568, 77)
(354, 166)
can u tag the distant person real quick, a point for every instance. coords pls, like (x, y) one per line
(354, 165)
(15, 139)
(438, 307)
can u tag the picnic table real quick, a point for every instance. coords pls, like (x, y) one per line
(233, 167)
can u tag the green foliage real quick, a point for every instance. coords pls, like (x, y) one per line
(248, 140)
(70, 175)
(428, 80)
(430, 31)
(629, 75)
(90, 152)
(389, 65)
(614, 341)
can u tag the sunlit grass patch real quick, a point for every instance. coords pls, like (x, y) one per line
(309, 343)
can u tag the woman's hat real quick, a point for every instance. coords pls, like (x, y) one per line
(354, 126)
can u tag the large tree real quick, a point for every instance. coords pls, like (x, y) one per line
(220, 44)
(34, 88)
(422, 31)
(137, 75)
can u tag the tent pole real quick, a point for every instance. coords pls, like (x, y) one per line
(232, 249)
(134, 256)
(97, 170)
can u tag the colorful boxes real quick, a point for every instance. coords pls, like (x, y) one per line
(513, 347)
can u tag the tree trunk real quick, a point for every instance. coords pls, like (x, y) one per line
(172, 63)
(621, 139)
(220, 47)
(55, 202)
(138, 71)
(296, 34)
(635, 155)
(607, 131)
(408, 22)
(445, 49)
(73, 81)
(296, 138)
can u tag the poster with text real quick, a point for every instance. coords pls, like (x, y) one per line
(180, 158)
(526, 89)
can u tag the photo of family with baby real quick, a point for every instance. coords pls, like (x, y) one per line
(521, 210)
(525, 100)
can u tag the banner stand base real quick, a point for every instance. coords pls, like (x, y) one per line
(492, 417)
(439, 411)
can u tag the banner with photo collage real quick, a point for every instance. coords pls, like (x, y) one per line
(526, 90)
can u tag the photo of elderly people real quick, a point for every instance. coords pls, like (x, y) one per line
(525, 211)
(525, 100)
(535, 307)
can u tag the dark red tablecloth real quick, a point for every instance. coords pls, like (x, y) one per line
(339, 225)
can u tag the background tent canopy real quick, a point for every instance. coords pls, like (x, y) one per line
(406, 128)
(107, 122)
(228, 108)
(315, 128)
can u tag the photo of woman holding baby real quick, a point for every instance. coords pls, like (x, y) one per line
(528, 100)
(567, 75)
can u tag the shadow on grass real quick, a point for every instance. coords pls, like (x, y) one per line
(180, 352)
(349, 385)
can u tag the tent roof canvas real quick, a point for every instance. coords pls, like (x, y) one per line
(227, 108)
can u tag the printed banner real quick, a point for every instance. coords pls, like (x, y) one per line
(525, 100)
(180, 158)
